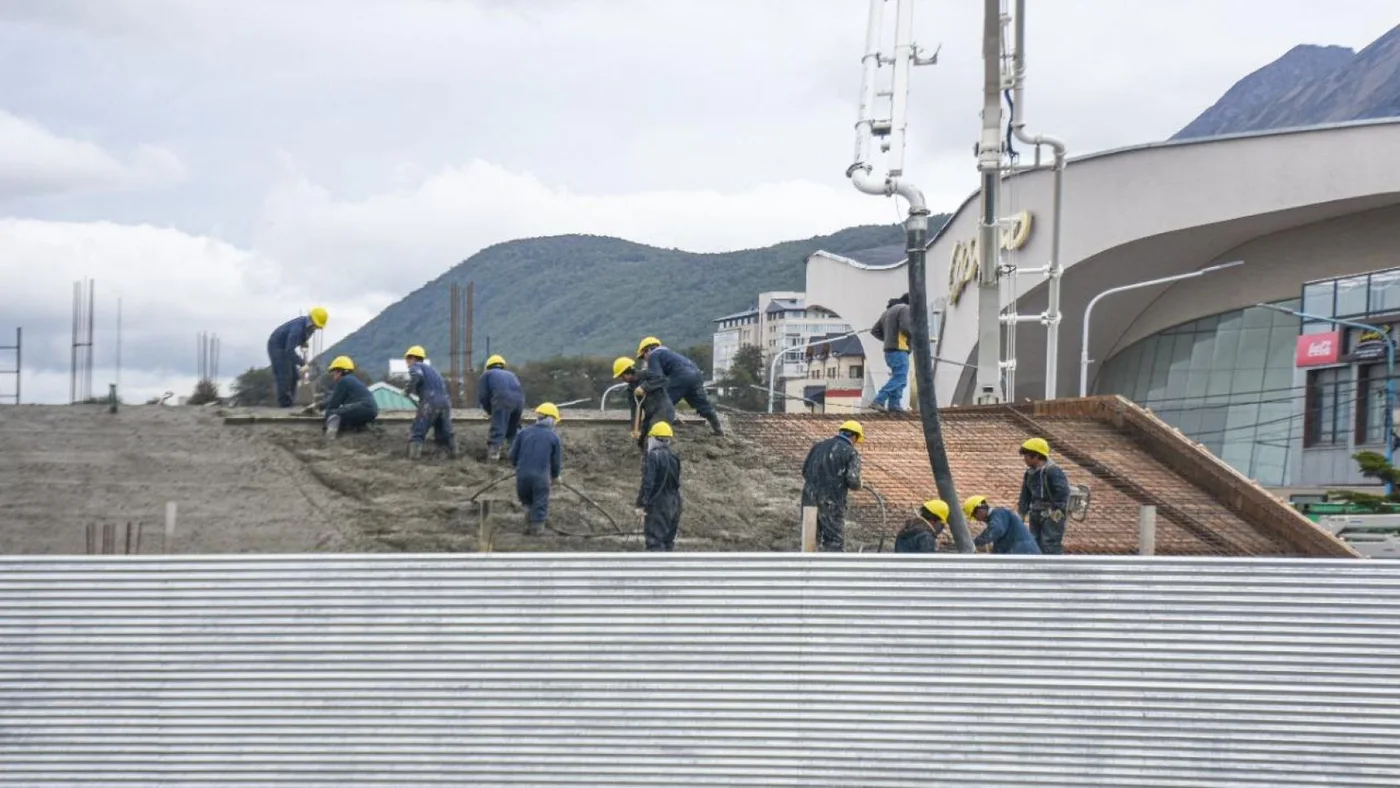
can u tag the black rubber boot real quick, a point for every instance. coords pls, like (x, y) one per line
(713, 419)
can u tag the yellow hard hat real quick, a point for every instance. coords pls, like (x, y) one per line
(971, 504)
(1037, 446)
(660, 430)
(855, 429)
(319, 316)
(646, 343)
(547, 409)
(343, 362)
(495, 361)
(416, 350)
(937, 509)
(621, 365)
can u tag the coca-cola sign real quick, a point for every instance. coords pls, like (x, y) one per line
(1318, 349)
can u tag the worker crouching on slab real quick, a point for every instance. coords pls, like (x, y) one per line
(538, 458)
(684, 381)
(351, 404)
(832, 468)
(659, 499)
(648, 392)
(920, 533)
(429, 390)
(284, 351)
(499, 393)
(1044, 497)
(1005, 532)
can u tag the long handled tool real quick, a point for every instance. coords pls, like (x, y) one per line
(637, 416)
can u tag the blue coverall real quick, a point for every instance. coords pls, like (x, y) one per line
(1007, 533)
(1045, 505)
(434, 406)
(498, 392)
(353, 402)
(538, 458)
(282, 352)
(684, 381)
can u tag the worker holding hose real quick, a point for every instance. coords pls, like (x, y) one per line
(284, 351)
(920, 533)
(832, 468)
(648, 391)
(538, 458)
(659, 499)
(499, 393)
(1044, 496)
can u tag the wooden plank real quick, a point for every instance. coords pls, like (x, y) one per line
(809, 529)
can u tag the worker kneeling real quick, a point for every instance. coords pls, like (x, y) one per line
(1005, 532)
(920, 534)
(499, 393)
(659, 499)
(831, 469)
(648, 392)
(538, 458)
(434, 405)
(351, 404)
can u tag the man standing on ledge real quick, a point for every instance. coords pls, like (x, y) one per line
(894, 329)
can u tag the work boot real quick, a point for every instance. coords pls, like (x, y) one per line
(332, 426)
(493, 453)
(452, 449)
(713, 419)
(415, 451)
(535, 528)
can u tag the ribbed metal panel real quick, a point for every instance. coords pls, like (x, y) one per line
(782, 670)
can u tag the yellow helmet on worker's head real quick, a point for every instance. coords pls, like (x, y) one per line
(622, 366)
(855, 429)
(343, 362)
(319, 316)
(936, 509)
(660, 430)
(646, 343)
(971, 504)
(547, 409)
(1036, 446)
(496, 361)
(416, 351)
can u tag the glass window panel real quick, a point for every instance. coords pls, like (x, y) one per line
(1317, 299)
(1231, 321)
(1258, 317)
(1203, 351)
(1189, 422)
(1208, 323)
(1247, 380)
(1351, 296)
(1238, 454)
(1197, 387)
(1226, 347)
(1373, 414)
(1144, 375)
(1385, 291)
(1283, 318)
(1283, 348)
(1316, 327)
(1278, 382)
(1254, 348)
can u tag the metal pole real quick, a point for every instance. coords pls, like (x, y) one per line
(603, 405)
(119, 345)
(1089, 310)
(19, 360)
(989, 153)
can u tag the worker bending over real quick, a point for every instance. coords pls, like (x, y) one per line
(429, 390)
(1044, 496)
(684, 381)
(831, 469)
(920, 534)
(537, 454)
(283, 350)
(498, 392)
(351, 404)
(647, 390)
(1005, 532)
(894, 328)
(659, 499)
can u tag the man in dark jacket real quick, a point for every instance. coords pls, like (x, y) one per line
(894, 328)
(538, 458)
(498, 392)
(1044, 497)
(434, 405)
(655, 403)
(831, 469)
(659, 498)
(1005, 532)
(684, 381)
(351, 404)
(283, 350)
(920, 534)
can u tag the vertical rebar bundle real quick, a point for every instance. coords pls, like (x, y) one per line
(460, 339)
(80, 376)
(207, 354)
(18, 347)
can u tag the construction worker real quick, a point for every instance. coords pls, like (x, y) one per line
(351, 405)
(429, 390)
(1044, 497)
(920, 533)
(498, 392)
(1005, 532)
(537, 454)
(684, 381)
(284, 351)
(659, 499)
(894, 328)
(655, 403)
(831, 469)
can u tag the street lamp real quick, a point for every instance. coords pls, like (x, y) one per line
(1389, 371)
(1088, 311)
(773, 368)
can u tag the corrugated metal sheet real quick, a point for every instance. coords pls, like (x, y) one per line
(699, 670)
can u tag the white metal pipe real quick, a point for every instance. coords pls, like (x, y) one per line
(1089, 310)
(1011, 319)
(899, 101)
(989, 154)
(610, 389)
(870, 64)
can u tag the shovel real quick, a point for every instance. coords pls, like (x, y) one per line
(637, 417)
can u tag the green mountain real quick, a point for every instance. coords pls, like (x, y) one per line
(573, 295)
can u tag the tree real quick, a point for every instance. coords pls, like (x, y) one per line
(704, 357)
(255, 388)
(205, 392)
(566, 379)
(1373, 466)
(745, 372)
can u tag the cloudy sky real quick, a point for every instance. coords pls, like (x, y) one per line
(222, 165)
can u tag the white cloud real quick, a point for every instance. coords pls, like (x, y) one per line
(34, 161)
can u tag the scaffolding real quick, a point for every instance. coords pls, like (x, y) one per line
(80, 375)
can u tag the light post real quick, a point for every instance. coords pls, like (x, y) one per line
(773, 368)
(1389, 371)
(1088, 312)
